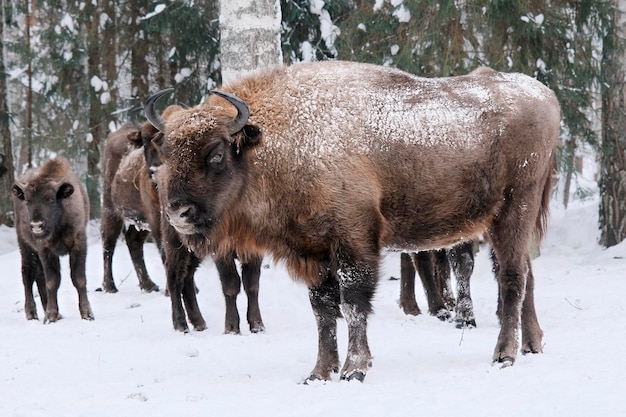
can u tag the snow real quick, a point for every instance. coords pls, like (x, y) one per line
(130, 362)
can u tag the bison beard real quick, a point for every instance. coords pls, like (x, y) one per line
(339, 160)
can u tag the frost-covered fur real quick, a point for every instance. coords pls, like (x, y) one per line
(51, 213)
(181, 264)
(128, 196)
(339, 160)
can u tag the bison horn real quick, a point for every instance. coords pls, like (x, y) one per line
(148, 108)
(243, 112)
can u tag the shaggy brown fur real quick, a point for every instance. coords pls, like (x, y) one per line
(128, 195)
(339, 160)
(51, 213)
(181, 264)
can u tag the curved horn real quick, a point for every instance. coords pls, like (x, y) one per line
(243, 112)
(148, 108)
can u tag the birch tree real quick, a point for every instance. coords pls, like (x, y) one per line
(250, 36)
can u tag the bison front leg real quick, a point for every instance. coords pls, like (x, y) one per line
(357, 284)
(135, 240)
(426, 264)
(408, 302)
(32, 272)
(110, 230)
(78, 258)
(52, 272)
(250, 276)
(462, 261)
(231, 285)
(325, 300)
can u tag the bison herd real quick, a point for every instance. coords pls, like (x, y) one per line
(321, 166)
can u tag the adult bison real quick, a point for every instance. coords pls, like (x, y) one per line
(51, 213)
(181, 265)
(323, 164)
(128, 196)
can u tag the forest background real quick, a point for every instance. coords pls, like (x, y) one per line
(73, 71)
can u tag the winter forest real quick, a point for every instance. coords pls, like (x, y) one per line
(72, 72)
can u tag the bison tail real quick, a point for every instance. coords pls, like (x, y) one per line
(542, 218)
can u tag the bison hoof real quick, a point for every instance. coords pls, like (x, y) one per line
(443, 314)
(354, 376)
(257, 327)
(506, 361)
(52, 318)
(88, 316)
(410, 310)
(230, 330)
(149, 287)
(109, 288)
(314, 379)
(465, 324)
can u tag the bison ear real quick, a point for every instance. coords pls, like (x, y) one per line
(18, 192)
(65, 190)
(135, 139)
(252, 135)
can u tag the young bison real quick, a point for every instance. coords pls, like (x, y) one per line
(51, 213)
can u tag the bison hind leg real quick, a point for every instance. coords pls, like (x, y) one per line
(325, 300)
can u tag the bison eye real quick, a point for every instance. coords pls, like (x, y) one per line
(217, 158)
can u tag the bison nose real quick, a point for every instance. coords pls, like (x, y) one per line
(179, 210)
(37, 227)
(180, 215)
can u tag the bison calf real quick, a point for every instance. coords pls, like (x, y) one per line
(51, 213)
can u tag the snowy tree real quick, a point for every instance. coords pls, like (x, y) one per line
(6, 148)
(249, 36)
(613, 156)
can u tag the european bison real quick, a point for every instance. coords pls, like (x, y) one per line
(128, 196)
(51, 213)
(433, 268)
(323, 164)
(180, 265)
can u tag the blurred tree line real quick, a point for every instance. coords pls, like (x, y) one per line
(74, 71)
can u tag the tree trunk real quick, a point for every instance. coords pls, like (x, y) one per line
(6, 181)
(612, 181)
(139, 50)
(25, 158)
(250, 36)
(95, 113)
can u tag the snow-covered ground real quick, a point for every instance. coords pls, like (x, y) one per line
(130, 362)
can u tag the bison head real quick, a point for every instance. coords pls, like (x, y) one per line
(43, 205)
(204, 164)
